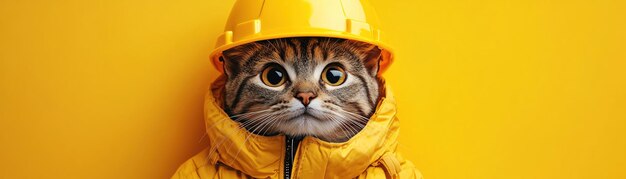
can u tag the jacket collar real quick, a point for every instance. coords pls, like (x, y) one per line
(262, 156)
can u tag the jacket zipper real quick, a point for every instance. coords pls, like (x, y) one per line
(291, 147)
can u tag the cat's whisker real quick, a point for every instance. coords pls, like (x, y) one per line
(214, 148)
(244, 115)
(347, 131)
(334, 116)
(352, 130)
(268, 126)
(363, 120)
(354, 114)
(355, 122)
(256, 136)
(245, 125)
(229, 117)
(360, 118)
(355, 119)
(204, 135)
(341, 125)
(377, 128)
(271, 118)
(254, 123)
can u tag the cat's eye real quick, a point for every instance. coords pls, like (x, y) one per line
(273, 75)
(334, 75)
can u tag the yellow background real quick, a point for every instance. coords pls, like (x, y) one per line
(486, 88)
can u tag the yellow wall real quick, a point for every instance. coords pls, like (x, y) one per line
(486, 89)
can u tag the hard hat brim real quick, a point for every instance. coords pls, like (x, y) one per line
(387, 52)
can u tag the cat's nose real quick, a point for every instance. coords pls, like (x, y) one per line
(305, 97)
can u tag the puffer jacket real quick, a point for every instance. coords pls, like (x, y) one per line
(235, 153)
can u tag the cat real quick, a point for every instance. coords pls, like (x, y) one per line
(304, 86)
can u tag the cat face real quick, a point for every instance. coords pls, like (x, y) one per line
(323, 87)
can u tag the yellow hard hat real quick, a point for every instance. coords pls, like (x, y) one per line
(254, 20)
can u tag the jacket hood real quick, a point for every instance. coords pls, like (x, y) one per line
(262, 156)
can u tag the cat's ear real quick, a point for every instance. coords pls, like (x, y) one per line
(230, 66)
(372, 60)
(234, 58)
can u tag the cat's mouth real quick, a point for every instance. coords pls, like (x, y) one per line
(308, 113)
(307, 116)
(309, 120)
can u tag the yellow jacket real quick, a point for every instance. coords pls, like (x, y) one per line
(235, 153)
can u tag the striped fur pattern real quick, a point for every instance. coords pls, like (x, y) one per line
(335, 114)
